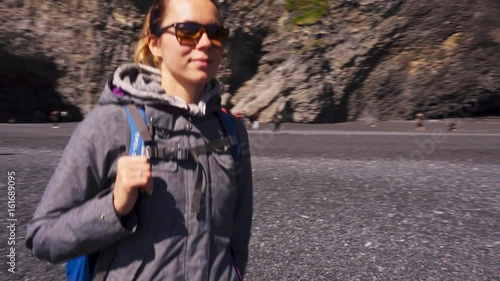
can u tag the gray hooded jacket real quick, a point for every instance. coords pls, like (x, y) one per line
(162, 238)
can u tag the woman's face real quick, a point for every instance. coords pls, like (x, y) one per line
(196, 64)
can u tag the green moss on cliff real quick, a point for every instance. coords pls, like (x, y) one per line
(307, 11)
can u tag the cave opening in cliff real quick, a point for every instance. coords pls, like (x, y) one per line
(332, 111)
(244, 53)
(488, 106)
(28, 89)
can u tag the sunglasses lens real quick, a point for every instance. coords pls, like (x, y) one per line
(189, 33)
(217, 34)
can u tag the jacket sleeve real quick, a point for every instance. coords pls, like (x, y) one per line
(76, 215)
(244, 203)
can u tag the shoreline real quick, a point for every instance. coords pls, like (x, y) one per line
(467, 126)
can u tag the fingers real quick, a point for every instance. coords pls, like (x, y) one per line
(133, 175)
(133, 172)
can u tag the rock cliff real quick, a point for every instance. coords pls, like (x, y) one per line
(315, 60)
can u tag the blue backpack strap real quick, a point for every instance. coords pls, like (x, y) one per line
(136, 140)
(83, 268)
(231, 130)
(135, 114)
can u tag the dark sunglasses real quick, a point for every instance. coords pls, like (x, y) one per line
(189, 33)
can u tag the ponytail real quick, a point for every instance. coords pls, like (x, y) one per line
(142, 52)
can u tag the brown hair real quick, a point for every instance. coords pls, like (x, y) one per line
(152, 22)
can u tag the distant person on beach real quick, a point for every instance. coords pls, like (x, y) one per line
(419, 121)
(255, 121)
(451, 126)
(276, 122)
(54, 117)
(184, 210)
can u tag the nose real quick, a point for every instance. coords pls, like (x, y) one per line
(204, 41)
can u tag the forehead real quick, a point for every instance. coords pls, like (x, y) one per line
(201, 11)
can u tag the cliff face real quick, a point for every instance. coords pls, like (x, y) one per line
(56, 55)
(332, 61)
(379, 59)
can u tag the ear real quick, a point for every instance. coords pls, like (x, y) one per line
(155, 46)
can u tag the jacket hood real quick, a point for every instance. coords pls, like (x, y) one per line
(141, 84)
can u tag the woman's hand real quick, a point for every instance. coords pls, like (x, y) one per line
(133, 174)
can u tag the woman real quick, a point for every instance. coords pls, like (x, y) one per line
(99, 198)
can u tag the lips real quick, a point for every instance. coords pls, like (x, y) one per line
(202, 60)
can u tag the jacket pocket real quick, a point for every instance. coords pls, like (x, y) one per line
(225, 160)
(224, 192)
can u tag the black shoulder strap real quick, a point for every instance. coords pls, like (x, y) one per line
(230, 130)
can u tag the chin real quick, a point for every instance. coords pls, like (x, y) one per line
(201, 78)
(199, 81)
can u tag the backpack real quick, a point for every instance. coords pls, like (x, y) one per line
(84, 268)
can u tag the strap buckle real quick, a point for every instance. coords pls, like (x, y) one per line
(151, 151)
(181, 154)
